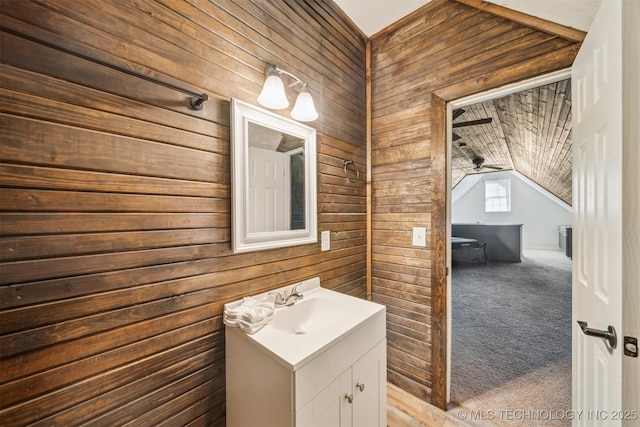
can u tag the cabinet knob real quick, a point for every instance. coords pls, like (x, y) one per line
(360, 386)
(349, 397)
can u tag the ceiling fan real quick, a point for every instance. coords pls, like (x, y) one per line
(478, 164)
(460, 111)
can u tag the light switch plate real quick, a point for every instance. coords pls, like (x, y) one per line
(326, 240)
(419, 236)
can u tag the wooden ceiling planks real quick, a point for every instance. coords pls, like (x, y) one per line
(530, 133)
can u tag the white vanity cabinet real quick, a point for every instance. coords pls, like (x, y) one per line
(356, 398)
(333, 376)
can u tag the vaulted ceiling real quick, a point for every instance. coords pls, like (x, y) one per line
(529, 132)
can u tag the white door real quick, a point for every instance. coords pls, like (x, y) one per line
(597, 179)
(268, 191)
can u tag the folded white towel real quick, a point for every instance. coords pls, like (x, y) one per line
(250, 315)
(231, 314)
(246, 302)
(257, 312)
(250, 328)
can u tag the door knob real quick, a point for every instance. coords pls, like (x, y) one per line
(360, 386)
(609, 335)
(349, 397)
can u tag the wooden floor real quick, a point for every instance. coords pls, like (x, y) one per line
(405, 410)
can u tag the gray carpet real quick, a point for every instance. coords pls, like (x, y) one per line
(511, 327)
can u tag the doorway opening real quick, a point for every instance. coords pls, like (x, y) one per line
(508, 294)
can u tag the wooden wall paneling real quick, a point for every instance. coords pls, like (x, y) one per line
(36, 270)
(102, 373)
(66, 201)
(452, 64)
(410, 366)
(115, 203)
(251, 266)
(74, 97)
(439, 269)
(537, 23)
(207, 138)
(547, 63)
(455, 28)
(344, 42)
(82, 180)
(49, 357)
(253, 30)
(144, 157)
(318, 83)
(117, 313)
(390, 40)
(441, 52)
(342, 34)
(156, 403)
(341, 44)
(368, 167)
(96, 43)
(24, 248)
(39, 223)
(458, 29)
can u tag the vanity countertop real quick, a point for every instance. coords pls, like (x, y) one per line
(321, 318)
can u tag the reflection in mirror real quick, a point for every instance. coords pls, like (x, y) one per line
(274, 180)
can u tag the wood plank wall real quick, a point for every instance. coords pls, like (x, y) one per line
(115, 199)
(444, 51)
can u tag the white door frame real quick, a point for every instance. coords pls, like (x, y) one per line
(463, 102)
(631, 201)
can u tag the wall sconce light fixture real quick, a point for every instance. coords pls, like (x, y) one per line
(273, 95)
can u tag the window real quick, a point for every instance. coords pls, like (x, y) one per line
(497, 195)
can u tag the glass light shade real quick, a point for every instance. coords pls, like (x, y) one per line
(304, 110)
(273, 95)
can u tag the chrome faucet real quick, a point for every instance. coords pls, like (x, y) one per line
(294, 297)
(284, 300)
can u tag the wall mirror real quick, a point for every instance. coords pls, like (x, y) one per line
(273, 170)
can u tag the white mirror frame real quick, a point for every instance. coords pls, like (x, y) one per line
(242, 114)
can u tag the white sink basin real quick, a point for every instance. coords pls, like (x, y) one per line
(309, 316)
(296, 334)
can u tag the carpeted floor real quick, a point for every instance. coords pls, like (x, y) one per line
(511, 339)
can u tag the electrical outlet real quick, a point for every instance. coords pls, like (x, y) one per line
(326, 240)
(419, 236)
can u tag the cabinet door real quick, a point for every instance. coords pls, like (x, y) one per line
(326, 409)
(356, 398)
(369, 388)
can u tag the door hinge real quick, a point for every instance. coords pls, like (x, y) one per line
(447, 272)
(631, 346)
